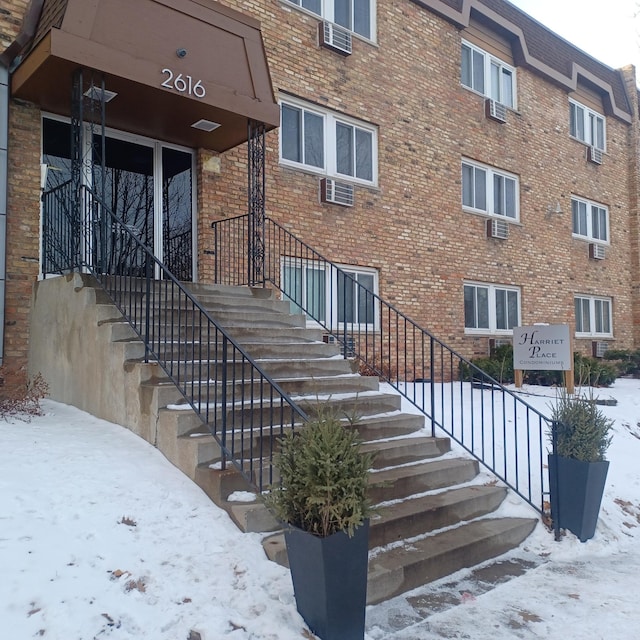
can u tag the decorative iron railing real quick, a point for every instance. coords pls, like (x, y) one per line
(241, 405)
(494, 424)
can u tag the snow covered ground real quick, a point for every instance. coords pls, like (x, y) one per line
(101, 537)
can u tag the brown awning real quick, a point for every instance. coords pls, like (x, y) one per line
(172, 63)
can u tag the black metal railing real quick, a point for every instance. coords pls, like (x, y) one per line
(494, 424)
(243, 407)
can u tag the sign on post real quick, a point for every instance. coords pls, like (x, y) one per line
(543, 347)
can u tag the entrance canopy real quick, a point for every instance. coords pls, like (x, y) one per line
(170, 63)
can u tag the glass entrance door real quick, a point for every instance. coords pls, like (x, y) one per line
(146, 184)
(127, 187)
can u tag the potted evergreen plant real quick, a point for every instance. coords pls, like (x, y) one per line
(322, 499)
(577, 467)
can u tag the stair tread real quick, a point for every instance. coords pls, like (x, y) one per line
(447, 541)
(431, 466)
(430, 502)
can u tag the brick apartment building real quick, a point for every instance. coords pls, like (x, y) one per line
(464, 162)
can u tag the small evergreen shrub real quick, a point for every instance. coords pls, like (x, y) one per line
(583, 432)
(323, 487)
(626, 362)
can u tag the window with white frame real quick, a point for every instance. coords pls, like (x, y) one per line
(593, 317)
(490, 308)
(590, 220)
(587, 126)
(331, 296)
(489, 191)
(325, 142)
(357, 16)
(488, 75)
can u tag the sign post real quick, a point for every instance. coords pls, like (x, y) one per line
(542, 347)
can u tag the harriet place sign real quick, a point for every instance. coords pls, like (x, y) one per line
(542, 347)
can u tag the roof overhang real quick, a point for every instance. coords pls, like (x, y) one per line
(171, 64)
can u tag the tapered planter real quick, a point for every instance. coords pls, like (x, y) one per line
(576, 493)
(330, 581)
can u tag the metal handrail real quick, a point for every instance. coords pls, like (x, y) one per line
(242, 406)
(491, 422)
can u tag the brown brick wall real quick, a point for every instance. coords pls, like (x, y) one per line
(11, 14)
(23, 212)
(412, 228)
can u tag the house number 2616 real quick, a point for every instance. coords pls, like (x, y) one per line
(183, 84)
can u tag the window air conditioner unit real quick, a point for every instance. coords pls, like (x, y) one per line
(329, 339)
(336, 192)
(597, 251)
(598, 348)
(495, 110)
(594, 155)
(335, 38)
(497, 229)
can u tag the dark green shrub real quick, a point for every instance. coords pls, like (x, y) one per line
(499, 366)
(324, 479)
(583, 432)
(625, 361)
(587, 371)
(593, 372)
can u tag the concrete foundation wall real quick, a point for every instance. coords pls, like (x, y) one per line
(87, 359)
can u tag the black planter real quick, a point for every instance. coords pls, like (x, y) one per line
(576, 493)
(330, 581)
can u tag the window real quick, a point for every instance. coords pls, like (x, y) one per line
(355, 15)
(490, 308)
(489, 191)
(590, 220)
(327, 143)
(488, 75)
(587, 125)
(331, 297)
(593, 317)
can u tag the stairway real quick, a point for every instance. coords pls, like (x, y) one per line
(433, 516)
(424, 493)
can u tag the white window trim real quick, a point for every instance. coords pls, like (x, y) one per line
(491, 171)
(492, 288)
(587, 129)
(488, 59)
(330, 118)
(589, 237)
(592, 317)
(328, 14)
(331, 290)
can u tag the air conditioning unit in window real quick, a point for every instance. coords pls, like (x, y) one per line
(335, 38)
(495, 110)
(336, 192)
(598, 348)
(594, 155)
(597, 251)
(329, 339)
(497, 229)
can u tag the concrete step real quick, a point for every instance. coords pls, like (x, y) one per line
(246, 335)
(186, 451)
(417, 516)
(404, 450)
(163, 391)
(197, 349)
(351, 406)
(400, 482)
(409, 566)
(388, 425)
